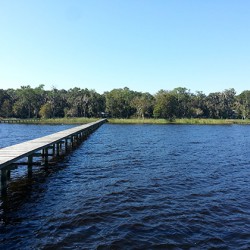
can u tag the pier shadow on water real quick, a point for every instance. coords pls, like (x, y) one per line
(22, 187)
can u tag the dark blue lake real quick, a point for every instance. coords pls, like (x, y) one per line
(133, 187)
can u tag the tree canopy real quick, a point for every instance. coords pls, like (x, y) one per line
(27, 102)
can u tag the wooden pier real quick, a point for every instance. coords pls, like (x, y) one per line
(46, 148)
(27, 120)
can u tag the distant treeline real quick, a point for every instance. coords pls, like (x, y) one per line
(27, 102)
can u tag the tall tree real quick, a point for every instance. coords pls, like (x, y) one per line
(118, 102)
(6, 103)
(228, 98)
(26, 100)
(143, 103)
(183, 107)
(198, 105)
(57, 100)
(96, 104)
(39, 99)
(243, 104)
(165, 105)
(78, 100)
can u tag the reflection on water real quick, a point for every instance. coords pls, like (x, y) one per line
(136, 186)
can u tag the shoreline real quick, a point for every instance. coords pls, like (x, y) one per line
(184, 121)
(82, 120)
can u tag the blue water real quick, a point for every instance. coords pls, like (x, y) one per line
(11, 134)
(135, 187)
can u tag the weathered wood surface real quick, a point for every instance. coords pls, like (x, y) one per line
(14, 153)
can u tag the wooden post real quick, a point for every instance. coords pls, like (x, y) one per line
(66, 144)
(43, 153)
(53, 149)
(30, 162)
(60, 146)
(46, 157)
(3, 181)
(57, 149)
(8, 174)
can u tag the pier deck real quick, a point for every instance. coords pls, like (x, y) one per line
(12, 154)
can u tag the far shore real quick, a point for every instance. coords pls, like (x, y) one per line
(81, 120)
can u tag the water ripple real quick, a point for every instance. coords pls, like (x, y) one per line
(137, 187)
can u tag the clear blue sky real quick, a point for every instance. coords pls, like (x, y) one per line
(146, 45)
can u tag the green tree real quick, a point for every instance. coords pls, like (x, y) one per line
(228, 98)
(6, 108)
(243, 104)
(46, 111)
(213, 104)
(78, 100)
(143, 103)
(198, 105)
(6, 103)
(96, 104)
(57, 100)
(26, 102)
(39, 99)
(118, 102)
(221, 104)
(165, 105)
(183, 107)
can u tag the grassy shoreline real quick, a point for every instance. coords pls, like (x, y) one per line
(73, 120)
(82, 120)
(188, 121)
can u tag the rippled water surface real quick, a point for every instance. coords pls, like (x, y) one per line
(134, 187)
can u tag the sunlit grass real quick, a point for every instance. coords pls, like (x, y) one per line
(179, 121)
(137, 121)
(72, 120)
(211, 121)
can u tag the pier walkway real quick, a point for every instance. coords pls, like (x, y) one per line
(48, 146)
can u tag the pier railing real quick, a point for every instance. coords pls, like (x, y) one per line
(46, 148)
